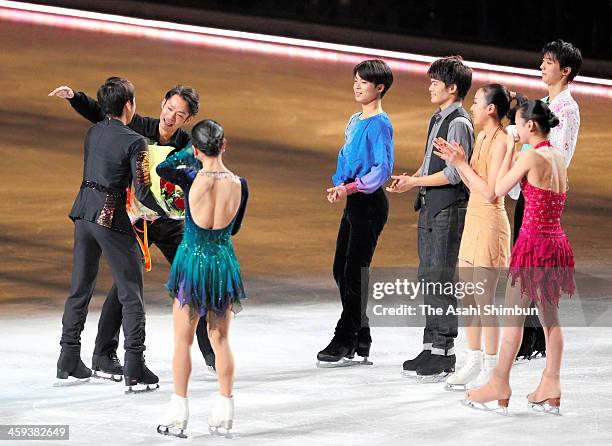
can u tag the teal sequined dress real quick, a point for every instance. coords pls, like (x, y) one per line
(205, 272)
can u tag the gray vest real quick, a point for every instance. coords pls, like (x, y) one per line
(440, 197)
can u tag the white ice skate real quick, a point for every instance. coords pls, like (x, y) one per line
(174, 421)
(489, 363)
(467, 373)
(501, 409)
(222, 415)
(548, 406)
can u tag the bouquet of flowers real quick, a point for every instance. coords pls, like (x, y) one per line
(170, 197)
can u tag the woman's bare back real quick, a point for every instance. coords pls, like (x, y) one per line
(214, 201)
(548, 170)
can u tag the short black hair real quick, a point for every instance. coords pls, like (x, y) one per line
(538, 112)
(567, 54)
(190, 95)
(452, 70)
(207, 136)
(113, 94)
(375, 71)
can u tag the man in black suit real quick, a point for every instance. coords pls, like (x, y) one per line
(178, 107)
(114, 156)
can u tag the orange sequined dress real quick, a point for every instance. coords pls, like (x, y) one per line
(486, 235)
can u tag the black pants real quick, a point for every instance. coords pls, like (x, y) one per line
(439, 237)
(125, 262)
(519, 210)
(362, 222)
(166, 234)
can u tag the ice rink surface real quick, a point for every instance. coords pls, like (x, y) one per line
(290, 229)
(283, 399)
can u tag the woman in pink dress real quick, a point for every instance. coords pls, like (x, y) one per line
(541, 263)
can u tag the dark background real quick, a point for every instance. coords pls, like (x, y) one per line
(518, 25)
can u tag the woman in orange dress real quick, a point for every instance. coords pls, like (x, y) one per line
(485, 243)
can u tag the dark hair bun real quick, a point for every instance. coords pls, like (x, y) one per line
(538, 112)
(548, 119)
(553, 121)
(207, 136)
(518, 99)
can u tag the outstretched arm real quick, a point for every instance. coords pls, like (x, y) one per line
(179, 168)
(83, 104)
(90, 109)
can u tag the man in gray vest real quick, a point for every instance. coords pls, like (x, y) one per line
(442, 201)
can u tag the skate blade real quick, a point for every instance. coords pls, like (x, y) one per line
(107, 376)
(455, 387)
(500, 410)
(526, 359)
(223, 430)
(544, 408)
(344, 362)
(409, 373)
(70, 381)
(431, 379)
(171, 431)
(141, 388)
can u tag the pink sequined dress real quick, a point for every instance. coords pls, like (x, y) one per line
(542, 259)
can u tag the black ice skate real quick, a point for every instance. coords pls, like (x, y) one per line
(107, 367)
(364, 342)
(436, 369)
(533, 345)
(71, 370)
(339, 354)
(138, 378)
(409, 368)
(209, 359)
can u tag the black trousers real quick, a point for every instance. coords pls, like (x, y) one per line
(362, 222)
(439, 237)
(166, 234)
(122, 252)
(519, 210)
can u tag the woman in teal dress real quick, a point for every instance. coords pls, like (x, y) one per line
(205, 277)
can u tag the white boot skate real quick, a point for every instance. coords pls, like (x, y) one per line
(469, 371)
(222, 415)
(489, 363)
(174, 421)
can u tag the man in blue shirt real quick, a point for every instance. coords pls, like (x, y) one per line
(365, 163)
